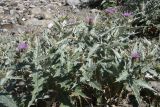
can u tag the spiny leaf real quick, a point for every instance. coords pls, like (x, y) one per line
(105, 69)
(62, 105)
(136, 91)
(135, 48)
(78, 92)
(38, 86)
(65, 84)
(93, 49)
(36, 51)
(95, 84)
(8, 74)
(86, 75)
(153, 72)
(7, 101)
(43, 57)
(58, 26)
(154, 51)
(143, 84)
(117, 54)
(122, 76)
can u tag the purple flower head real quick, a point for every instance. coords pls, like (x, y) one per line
(111, 10)
(22, 46)
(127, 14)
(135, 55)
(90, 20)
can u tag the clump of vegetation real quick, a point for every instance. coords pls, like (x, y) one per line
(103, 60)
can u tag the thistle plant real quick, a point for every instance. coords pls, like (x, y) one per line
(89, 63)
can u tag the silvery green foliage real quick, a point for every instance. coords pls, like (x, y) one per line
(38, 82)
(37, 76)
(6, 57)
(147, 19)
(7, 101)
(151, 11)
(152, 6)
(83, 61)
(107, 52)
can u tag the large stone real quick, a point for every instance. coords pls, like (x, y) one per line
(83, 3)
(36, 10)
(40, 16)
(74, 2)
(36, 22)
(1, 10)
(155, 85)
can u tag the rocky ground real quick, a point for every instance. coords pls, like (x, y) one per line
(19, 17)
